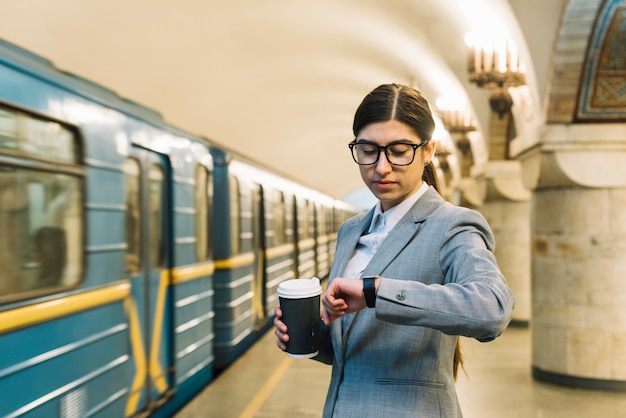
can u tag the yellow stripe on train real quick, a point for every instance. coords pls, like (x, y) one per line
(240, 260)
(306, 243)
(192, 272)
(280, 251)
(247, 259)
(157, 372)
(49, 310)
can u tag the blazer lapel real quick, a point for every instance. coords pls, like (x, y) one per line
(404, 232)
(347, 243)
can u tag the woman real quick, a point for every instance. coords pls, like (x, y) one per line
(427, 270)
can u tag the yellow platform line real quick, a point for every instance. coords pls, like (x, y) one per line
(266, 390)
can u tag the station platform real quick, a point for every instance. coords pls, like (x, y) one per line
(266, 383)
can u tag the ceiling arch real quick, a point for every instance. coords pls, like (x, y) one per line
(279, 81)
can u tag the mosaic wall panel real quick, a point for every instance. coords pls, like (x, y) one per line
(603, 84)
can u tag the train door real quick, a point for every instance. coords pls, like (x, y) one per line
(258, 249)
(149, 229)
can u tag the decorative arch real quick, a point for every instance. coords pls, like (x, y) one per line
(602, 96)
(569, 58)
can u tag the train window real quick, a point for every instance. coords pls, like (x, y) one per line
(35, 137)
(157, 244)
(279, 218)
(312, 219)
(303, 220)
(203, 201)
(234, 193)
(319, 220)
(329, 220)
(133, 241)
(8, 130)
(41, 219)
(289, 219)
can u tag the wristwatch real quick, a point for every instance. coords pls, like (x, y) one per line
(369, 290)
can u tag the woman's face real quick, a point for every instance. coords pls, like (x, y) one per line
(392, 184)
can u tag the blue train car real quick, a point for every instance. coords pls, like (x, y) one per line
(138, 260)
(106, 295)
(268, 232)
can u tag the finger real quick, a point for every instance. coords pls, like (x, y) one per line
(280, 345)
(336, 305)
(325, 316)
(281, 336)
(332, 301)
(329, 315)
(280, 325)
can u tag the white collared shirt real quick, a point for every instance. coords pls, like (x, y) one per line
(382, 223)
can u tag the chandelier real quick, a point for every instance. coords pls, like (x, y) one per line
(457, 119)
(494, 64)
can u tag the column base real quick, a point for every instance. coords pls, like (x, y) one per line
(578, 382)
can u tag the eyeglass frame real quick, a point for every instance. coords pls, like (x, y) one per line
(353, 143)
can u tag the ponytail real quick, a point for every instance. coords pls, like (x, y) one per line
(430, 176)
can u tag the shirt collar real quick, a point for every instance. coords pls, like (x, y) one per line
(392, 216)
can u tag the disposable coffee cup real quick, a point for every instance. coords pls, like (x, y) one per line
(300, 303)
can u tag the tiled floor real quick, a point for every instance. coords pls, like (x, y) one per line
(266, 383)
(499, 384)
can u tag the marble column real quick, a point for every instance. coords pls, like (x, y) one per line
(578, 253)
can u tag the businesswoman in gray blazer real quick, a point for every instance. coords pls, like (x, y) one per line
(409, 276)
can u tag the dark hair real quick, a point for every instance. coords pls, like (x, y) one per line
(396, 102)
(404, 104)
(430, 177)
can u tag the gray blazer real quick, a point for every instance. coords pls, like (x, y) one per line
(441, 280)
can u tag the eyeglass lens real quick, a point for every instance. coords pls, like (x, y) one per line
(397, 154)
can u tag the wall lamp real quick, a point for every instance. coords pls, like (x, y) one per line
(494, 64)
(457, 120)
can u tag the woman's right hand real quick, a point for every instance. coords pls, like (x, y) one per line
(281, 329)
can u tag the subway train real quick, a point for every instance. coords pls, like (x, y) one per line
(138, 260)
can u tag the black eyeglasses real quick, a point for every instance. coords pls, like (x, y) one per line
(400, 153)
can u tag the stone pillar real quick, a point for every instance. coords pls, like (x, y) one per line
(507, 210)
(578, 217)
(471, 192)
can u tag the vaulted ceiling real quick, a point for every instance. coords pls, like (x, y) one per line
(279, 80)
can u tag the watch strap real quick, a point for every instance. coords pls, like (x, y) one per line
(369, 290)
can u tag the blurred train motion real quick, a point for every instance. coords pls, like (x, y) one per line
(138, 261)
